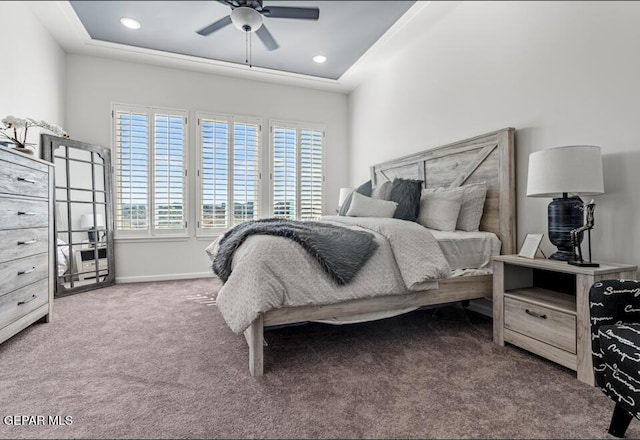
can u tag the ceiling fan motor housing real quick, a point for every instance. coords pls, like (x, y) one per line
(246, 19)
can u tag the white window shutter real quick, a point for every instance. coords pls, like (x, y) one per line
(132, 175)
(284, 172)
(214, 173)
(246, 172)
(168, 176)
(311, 174)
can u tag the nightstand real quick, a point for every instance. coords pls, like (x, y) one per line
(542, 306)
(86, 263)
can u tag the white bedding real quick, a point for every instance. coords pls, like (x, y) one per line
(467, 250)
(273, 272)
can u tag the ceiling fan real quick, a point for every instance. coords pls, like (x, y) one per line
(248, 15)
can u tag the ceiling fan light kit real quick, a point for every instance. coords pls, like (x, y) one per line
(248, 16)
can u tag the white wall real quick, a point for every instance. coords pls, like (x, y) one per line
(561, 73)
(93, 84)
(32, 78)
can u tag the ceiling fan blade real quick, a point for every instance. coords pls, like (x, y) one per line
(266, 37)
(291, 12)
(215, 26)
(232, 3)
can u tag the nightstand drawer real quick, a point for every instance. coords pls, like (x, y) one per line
(22, 180)
(22, 213)
(20, 243)
(544, 324)
(17, 273)
(20, 302)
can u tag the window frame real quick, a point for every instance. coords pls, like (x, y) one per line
(151, 232)
(231, 120)
(298, 126)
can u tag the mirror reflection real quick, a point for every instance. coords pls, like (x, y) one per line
(84, 235)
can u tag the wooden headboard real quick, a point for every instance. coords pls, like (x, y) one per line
(487, 158)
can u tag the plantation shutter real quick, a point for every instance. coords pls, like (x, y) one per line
(246, 172)
(311, 175)
(132, 164)
(168, 177)
(284, 172)
(214, 173)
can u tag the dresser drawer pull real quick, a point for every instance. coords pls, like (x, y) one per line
(535, 315)
(23, 272)
(26, 213)
(28, 300)
(21, 243)
(22, 179)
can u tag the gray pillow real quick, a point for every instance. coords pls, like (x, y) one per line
(364, 189)
(363, 206)
(471, 198)
(382, 191)
(437, 213)
(406, 193)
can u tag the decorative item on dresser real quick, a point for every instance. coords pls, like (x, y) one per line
(543, 307)
(565, 173)
(26, 234)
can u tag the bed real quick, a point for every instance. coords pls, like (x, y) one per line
(489, 158)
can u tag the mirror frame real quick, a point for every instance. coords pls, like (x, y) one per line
(48, 145)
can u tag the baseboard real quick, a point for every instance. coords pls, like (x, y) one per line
(482, 306)
(164, 277)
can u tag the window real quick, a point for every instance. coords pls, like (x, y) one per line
(297, 173)
(150, 158)
(229, 171)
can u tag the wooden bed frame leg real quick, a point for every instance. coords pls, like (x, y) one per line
(255, 337)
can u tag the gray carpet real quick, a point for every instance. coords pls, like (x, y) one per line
(153, 361)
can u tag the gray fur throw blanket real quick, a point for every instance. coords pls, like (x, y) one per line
(340, 251)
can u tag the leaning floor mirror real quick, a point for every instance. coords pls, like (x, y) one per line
(83, 220)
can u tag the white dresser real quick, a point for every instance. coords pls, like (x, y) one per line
(26, 241)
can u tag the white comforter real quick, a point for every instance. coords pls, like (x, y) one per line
(272, 272)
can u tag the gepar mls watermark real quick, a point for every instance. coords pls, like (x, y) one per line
(37, 420)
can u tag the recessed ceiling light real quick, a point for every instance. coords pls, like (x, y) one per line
(130, 23)
(319, 59)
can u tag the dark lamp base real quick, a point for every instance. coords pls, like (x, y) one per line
(561, 255)
(583, 264)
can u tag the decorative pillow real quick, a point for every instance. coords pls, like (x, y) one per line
(363, 206)
(436, 213)
(406, 193)
(472, 207)
(382, 191)
(472, 199)
(364, 189)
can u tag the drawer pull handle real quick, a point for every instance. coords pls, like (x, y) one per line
(20, 243)
(535, 315)
(28, 300)
(22, 179)
(23, 272)
(26, 213)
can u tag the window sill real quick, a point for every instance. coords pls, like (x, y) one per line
(154, 239)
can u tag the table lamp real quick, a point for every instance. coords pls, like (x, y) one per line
(86, 222)
(344, 193)
(565, 174)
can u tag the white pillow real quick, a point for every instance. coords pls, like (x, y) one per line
(363, 206)
(437, 213)
(471, 198)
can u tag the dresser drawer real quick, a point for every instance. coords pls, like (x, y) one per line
(546, 325)
(22, 180)
(20, 243)
(20, 213)
(20, 302)
(18, 273)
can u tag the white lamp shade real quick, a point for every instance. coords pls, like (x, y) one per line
(86, 221)
(344, 193)
(573, 169)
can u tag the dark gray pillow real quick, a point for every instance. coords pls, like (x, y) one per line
(406, 193)
(364, 189)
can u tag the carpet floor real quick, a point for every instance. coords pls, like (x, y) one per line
(156, 360)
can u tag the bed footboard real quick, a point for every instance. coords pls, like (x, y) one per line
(254, 335)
